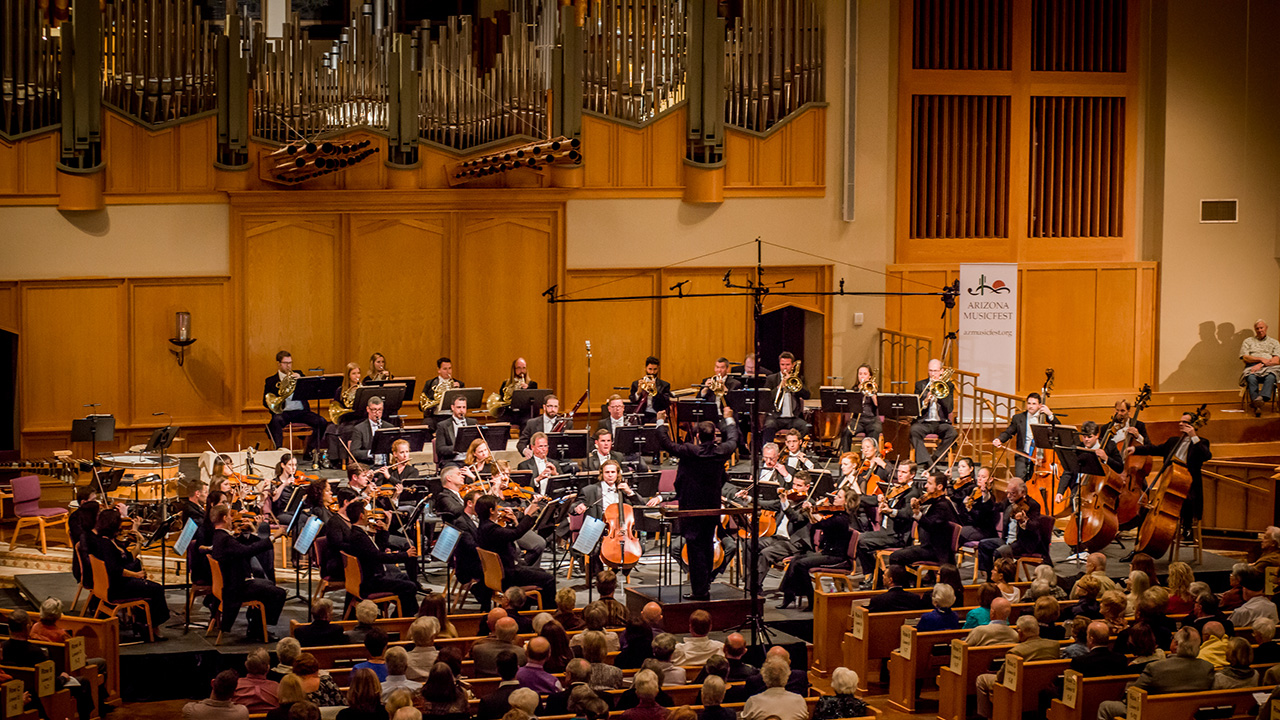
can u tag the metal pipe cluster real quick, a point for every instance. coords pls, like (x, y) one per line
(29, 70)
(159, 59)
(298, 162)
(533, 155)
(773, 62)
(635, 66)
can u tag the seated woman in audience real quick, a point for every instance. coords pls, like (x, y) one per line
(1079, 629)
(1047, 612)
(566, 602)
(585, 704)
(1268, 650)
(1085, 593)
(442, 694)
(364, 697)
(320, 689)
(1004, 575)
(436, 605)
(366, 612)
(422, 631)
(1143, 562)
(1138, 584)
(1153, 610)
(1044, 582)
(684, 712)
(646, 689)
(981, 615)
(290, 692)
(47, 629)
(712, 694)
(321, 630)
(1113, 606)
(942, 617)
(603, 675)
(950, 575)
(1141, 644)
(452, 657)
(539, 620)
(287, 651)
(399, 698)
(561, 653)
(638, 646)
(1181, 576)
(844, 682)
(1234, 596)
(1237, 673)
(596, 616)
(776, 698)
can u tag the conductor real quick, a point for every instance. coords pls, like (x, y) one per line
(699, 478)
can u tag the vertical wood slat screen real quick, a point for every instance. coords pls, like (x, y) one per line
(1077, 167)
(959, 166)
(1079, 35)
(961, 35)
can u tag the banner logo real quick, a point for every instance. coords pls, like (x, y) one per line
(996, 287)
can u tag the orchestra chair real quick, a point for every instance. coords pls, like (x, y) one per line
(1025, 563)
(848, 566)
(290, 432)
(6, 493)
(353, 580)
(197, 590)
(971, 548)
(1244, 400)
(327, 584)
(575, 525)
(215, 569)
(26, 507)
(494, 575)
(455, 591)
(1197, 542)
(918, 569)
(102, 589)
(882, 559)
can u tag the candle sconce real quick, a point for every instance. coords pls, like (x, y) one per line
(182, 336)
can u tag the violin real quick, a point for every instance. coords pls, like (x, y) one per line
(919, 500)
(972, 498)
(127, 537)
(301, 479)
(897, 491)
(238, 478)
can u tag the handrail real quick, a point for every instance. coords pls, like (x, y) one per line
(896, 349)
(1232, 480)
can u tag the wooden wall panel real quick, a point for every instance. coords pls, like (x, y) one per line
(696, 331)
(72, 352)
(121, 154)
(197, 147)
(505, 263)
(792, 156)
(200, 390)
(28, 166)
(9, 307)
(622, 334)
(289, 295)
(388, 259)
(1092, 323)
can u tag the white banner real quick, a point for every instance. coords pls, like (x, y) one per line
(989, 324)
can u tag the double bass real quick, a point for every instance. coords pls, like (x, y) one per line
(1096, 525)
(1136, 468)
(1044, 478)
(1164, 498)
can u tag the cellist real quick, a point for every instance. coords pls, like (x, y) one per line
(610, 489)
(1191, 450)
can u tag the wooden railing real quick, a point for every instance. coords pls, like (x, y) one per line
(1239, 495)
(903, 358)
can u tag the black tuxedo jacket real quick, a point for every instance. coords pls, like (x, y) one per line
(935, 527)
(233, 553)
(466, 561)
(1033, 539)
(701, 473)
(797, 398)
(502, 540)
(1018, 429)
(431, 387)
(269, 387)
(362, 548)
(946, 406)
(448, 506)
(899, 518)
(534, 425)
(591, 494)
(661, 394)
(446, 433)
(1197, 454)
(362, 439)
(593, 459)
(606, 423)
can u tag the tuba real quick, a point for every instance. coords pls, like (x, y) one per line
(284, 388)
(431, 403)
(790, 383)
(338, 408)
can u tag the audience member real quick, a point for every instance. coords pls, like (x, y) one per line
(1138, 584)
(997, 631)
(218, 706)
(451, 656)
(584, 703)
(287, 651)
(664, 647)
(1268, 650)
(1100, 659)
(1183, 672)
(711, 695)
(1113, 606)
(561, 653)
(981, 615)
(321, 630)
(304, 711)
(1269, 546)
(399, 698)
(514, 601)
(47, 629)
(697, 647)
(1096, 567)
(607, 585)
(735, 651)
(289, 694)
(1207, 609)
(1044, 582)
(1003, 576)
(496, 703)
(628, 699)
(525, 700)
(364, 697)
(596, 617)
(566, 613)
(603, 675)
(407, 713)
(1047, 611)
(442, 694)
(638, 645)
(577, 674)
(1078, 630)
(485, 652)
(540, 621)
(1213, 645)
(776, 700)
(1030, 647)
(375, 643)
(366, 613)
(1142, 646)
(941, 617)
(646, 689)
(845, 703)
(321, 690)
(684, 712)
(896, 598)
(533, 675)
(255, 691)
(436, 605)
(1234, 596)
(1179, 586)
(1237, 673)
(1256, 605)
(422, 631)
(651, 613)
(397, 665)
(797, 681)
(1142, 562)
(1085, 592)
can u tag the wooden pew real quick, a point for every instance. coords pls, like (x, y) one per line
(467, 624)
(1183, 706)
(40, 680)
(14, 704)
(1019, 691)
(810, 702)
(917, 659)
(101, 639)
(1081, 695)
(956, 680)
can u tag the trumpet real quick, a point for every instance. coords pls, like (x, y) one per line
(718, 388)
(790, 383)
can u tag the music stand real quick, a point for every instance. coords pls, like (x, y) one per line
(409, 383)
(692, 411)
(821, 483)
(523, 478)
(572, 444)
(160, 440)
(316, 387)
(392, 398)
(836, 399)
(646, 484)
(529, 400)
(635, 439)
(91, 429)
(474, 396)
(384, 438)
(898, 405)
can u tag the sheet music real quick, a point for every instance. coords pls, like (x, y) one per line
(589, 536)
(446, 543)
(308, 535)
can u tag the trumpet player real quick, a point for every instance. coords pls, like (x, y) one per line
(935, 414)
(867, 422)
(650, 401)
(789, 391)
(432, 397)
(544, 423)
(716, 387)
(286, 410)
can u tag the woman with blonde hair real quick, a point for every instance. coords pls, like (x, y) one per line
(290, 692)
(1181, 576)
(1139, 583)
(1113, 606)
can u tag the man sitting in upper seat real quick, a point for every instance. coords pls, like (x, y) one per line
(1030, 647)
(1261, 357)
(896, 597)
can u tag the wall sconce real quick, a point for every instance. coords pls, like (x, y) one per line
(182, 335)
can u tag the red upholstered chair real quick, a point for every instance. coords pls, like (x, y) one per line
(26, 506)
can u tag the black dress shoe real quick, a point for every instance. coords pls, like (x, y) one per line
(786, 602)
(1128, 557)
(697, 598)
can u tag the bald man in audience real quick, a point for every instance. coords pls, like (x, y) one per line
(485, 652)
(533, 675)
(1213, 645)
(996, 632)
(1096, 566)
(1100, 659)
(651, 613)
(1030, 647)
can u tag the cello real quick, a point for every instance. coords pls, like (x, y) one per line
(1136, 468)
(1043, 481)
(620, 548)
(1096, 526)
(1164, 498)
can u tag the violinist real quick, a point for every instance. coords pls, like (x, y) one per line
(282, 488)
(337, 533)
(963, 484)
(934, 512)
(544, 423)
(660, 399)
(538, 464)
(1020, 531)
(851, 481)
(375, 577)
(791, 511)
(867, 422)
(466, 560)
(1020, 428)
(833, 549)
(794, 457)
(478, 456)
(1123, 424)
(233, 548)
(504, 540)
(448, 503)
(894, 505)
(125, 575)
(979, 502)
(1188, 448)
(317, 500)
